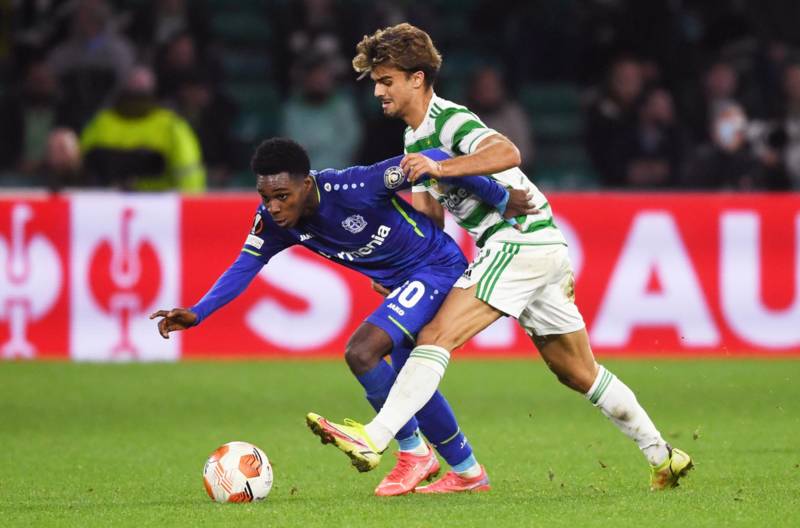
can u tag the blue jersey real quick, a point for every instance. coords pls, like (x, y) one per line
(362, 224)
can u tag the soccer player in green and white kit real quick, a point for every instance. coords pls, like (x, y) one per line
(523, 272)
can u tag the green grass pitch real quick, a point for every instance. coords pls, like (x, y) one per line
(124, 445)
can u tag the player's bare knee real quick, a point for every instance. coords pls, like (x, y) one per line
(360, 359)
(366, 347)
(435, 334)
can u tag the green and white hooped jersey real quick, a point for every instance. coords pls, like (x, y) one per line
(457, 131)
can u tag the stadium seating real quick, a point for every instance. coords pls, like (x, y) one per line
(555, 112)
(242, 27)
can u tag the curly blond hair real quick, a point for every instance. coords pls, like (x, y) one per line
(403, 46)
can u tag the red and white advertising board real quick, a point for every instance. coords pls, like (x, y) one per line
(657, 274)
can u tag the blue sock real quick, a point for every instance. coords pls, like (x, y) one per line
(465, 465)
(437, 421)
(438, 424)
(377, 383)
(410, 443)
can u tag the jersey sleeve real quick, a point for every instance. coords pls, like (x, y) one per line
(262, 242)
(485, 188)
(365, 184)
(230, 284)
(260, 246)
(460, 130)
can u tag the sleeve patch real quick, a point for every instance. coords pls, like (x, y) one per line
(393, 177)
(258, 225)
(254, 241)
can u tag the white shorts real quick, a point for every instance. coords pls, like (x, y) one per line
(533, 283)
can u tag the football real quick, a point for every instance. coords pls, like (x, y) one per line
(237, 472)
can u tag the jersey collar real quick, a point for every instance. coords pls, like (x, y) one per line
(434, 97)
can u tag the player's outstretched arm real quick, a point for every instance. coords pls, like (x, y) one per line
(173, 320)
(384, 178)
(233, 282)
(494, 154)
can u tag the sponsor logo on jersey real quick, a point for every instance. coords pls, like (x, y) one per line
(393, 177)
(454, 198)
(354, 223)
(306, 236)
(377, 240)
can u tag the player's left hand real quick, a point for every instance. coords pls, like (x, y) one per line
(416, 164)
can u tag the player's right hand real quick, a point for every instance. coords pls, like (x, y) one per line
(175, 319)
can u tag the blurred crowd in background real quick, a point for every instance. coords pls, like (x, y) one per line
(622, 94)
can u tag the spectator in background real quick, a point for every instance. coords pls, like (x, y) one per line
(62, 161)
(729, 162)
(720, 88)
(179, 58)
(315, 28)
(791, 122)
(653, 155)
(322, 117)
(487, 97)
(612, 118)
(28, 115)
(212, 116)
(93, 61)
(137, 144)
(156, 22)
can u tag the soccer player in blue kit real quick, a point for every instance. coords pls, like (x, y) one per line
(354, 218)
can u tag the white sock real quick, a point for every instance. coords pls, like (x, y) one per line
(421, 450)
(619, 404)
(414, 386)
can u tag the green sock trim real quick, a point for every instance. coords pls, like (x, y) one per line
(431, 354)
(601, 387)
(431, 357)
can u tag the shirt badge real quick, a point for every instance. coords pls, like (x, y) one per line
(354, 223)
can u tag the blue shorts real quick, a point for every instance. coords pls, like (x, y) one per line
(412, 305)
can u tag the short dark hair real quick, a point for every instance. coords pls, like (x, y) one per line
(276, 155)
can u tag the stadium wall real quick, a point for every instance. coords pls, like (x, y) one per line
(657, 274)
